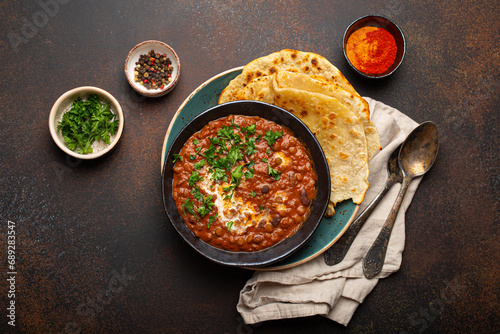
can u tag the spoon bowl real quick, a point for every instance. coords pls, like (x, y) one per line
(416, 157)
(419, 151)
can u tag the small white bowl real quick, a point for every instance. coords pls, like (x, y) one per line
(144, 48)
(63, 104)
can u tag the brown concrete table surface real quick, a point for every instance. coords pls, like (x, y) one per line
(95, 252)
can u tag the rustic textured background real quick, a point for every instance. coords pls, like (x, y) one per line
(95, 250)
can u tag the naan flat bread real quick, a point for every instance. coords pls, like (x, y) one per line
(341, 135)
(285, 60)
(260, 89)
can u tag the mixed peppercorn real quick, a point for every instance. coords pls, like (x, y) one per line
(153, 70)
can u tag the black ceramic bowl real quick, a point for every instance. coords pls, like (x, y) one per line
(391, 27)
(282, 249)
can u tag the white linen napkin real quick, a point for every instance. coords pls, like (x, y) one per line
(335, 292)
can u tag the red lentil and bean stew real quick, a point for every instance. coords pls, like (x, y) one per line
(243, 183)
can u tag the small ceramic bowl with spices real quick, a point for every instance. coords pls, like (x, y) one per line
(374, 46)
(86, 122)
(152, 68)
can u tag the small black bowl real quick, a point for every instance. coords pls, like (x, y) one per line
(282, 249)
(392, 28)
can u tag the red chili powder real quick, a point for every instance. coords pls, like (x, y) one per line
(372, 50)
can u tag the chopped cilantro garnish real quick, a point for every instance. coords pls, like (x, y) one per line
(273, 173)
(195, 177)
(250, 164)
(86, 122)
(236, 175)
(206, 207)
(219, 174)
(253, 194)
(226, 132)
(250, 144)
(211, 220)
(197, 194)
(209, 154)
(229, 225)
(249, 173)
(214, 140)
(188, 205)
(273, 136)
(221, 163)
(234, 155)
(199, 164)
(249, 130)
(192, 157)
(176, 157)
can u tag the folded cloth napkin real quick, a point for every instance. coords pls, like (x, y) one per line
(314, 288)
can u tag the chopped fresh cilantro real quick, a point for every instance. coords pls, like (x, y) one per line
(253, 194)
(273, 136)
(226, 132)
(250, 164)
(250, 144)
(196, 141)
(195, 177)
(188, 206)
(214, 140)
(219, 174)
(273, 173)
(236, 175)
(176, 157)
(211, 220)
(197, 194)
(221, 163)
(199, 164)
(86, 122)
(229, 225)
(249, 130)
(192, 157)
(206, 207)
(234, 155)
(209, 154)
(249, 173)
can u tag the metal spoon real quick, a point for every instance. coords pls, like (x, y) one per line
(336, 253)
(416, 157)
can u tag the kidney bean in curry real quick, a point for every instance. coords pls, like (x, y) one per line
(244, 183)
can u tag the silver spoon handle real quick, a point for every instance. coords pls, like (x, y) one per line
(336, 253)
(374, 259)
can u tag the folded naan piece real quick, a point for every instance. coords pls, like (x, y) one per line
(260, 89)
(354, 102)
(341, 135)
(285, 60)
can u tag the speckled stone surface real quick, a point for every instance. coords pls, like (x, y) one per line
(95, 252)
